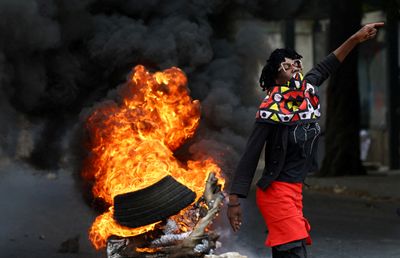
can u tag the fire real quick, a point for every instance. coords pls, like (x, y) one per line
(131, 143)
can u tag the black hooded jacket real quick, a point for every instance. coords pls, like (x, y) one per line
(276, 139)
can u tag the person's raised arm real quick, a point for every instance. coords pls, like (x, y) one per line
(329, 64)
(367, 32)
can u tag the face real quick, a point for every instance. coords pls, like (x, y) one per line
(288, 69)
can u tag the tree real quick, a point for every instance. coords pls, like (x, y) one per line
(342, 142)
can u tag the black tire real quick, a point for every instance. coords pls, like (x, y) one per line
(151, 204)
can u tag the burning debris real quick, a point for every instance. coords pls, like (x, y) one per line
(131, 146)
(169, 239)
(154, 203)
(83, 50)
(226, 255)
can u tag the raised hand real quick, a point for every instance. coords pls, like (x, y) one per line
(368, 31)
(365, 33)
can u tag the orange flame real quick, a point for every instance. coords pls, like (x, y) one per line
(132, 143)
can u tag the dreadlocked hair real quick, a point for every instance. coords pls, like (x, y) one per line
(270, 70)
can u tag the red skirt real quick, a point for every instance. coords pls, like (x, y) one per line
(281, 205)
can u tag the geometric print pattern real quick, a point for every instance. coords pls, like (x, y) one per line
(295, 102)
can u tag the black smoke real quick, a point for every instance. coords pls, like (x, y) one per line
(60, 57)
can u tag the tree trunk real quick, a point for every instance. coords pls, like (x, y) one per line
(342, 141)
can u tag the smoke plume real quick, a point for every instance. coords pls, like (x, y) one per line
(59, 58)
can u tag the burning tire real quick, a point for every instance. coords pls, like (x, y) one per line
(154, 203)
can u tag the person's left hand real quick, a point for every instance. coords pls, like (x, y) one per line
(368, 31)
(235, 217)
(234, 212)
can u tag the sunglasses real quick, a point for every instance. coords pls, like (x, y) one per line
(287, 65)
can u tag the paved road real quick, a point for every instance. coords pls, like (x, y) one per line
(342, 226)
(38, 212)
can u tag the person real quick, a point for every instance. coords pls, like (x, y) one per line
(286, 123)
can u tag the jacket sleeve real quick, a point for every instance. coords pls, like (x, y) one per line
(322, 70)
(244, 173)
